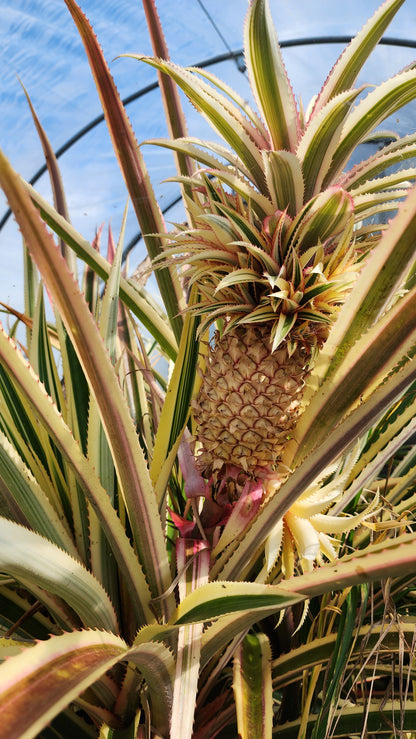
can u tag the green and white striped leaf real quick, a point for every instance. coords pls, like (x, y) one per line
(19, 485)
(189, 637)
(128, 456)
(326, 215)
(224, 597)
(320, 139)
(252, 685)
(268, 77)
(41, 356)
(389, 156)
(285, 180)
(36, 397)
(318, 652)
(195, 148)
(176, 406)
(139, 302)
(238, 99)
(352, 719)
(30, 558)
(103, 564)
(345, 71)
(385, 100)
(387, 183)
(260, 204)
(224, 117)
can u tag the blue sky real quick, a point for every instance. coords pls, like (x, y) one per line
(40, 44)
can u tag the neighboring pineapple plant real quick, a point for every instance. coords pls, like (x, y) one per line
(229, 552)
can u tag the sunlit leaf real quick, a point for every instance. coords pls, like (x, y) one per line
(268, 77)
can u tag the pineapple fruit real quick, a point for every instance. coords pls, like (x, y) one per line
(279, 301)
(249, 400)
(277, 233)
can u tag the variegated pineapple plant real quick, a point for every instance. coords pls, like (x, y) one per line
(144, 573)
(278, 232)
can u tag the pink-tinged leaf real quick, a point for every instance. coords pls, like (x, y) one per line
(195, 485)
(345, 71)
(222, 115)
(111, 247)
(268, 77)
(252, 685)
(175, 118)
(56, 180)
(241, 515)
(184, 525)
(284, 177)
(369, 113)
(41, 681)
(132, 166)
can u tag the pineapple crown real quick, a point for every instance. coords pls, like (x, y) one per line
(277, 270)
(277, 227)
